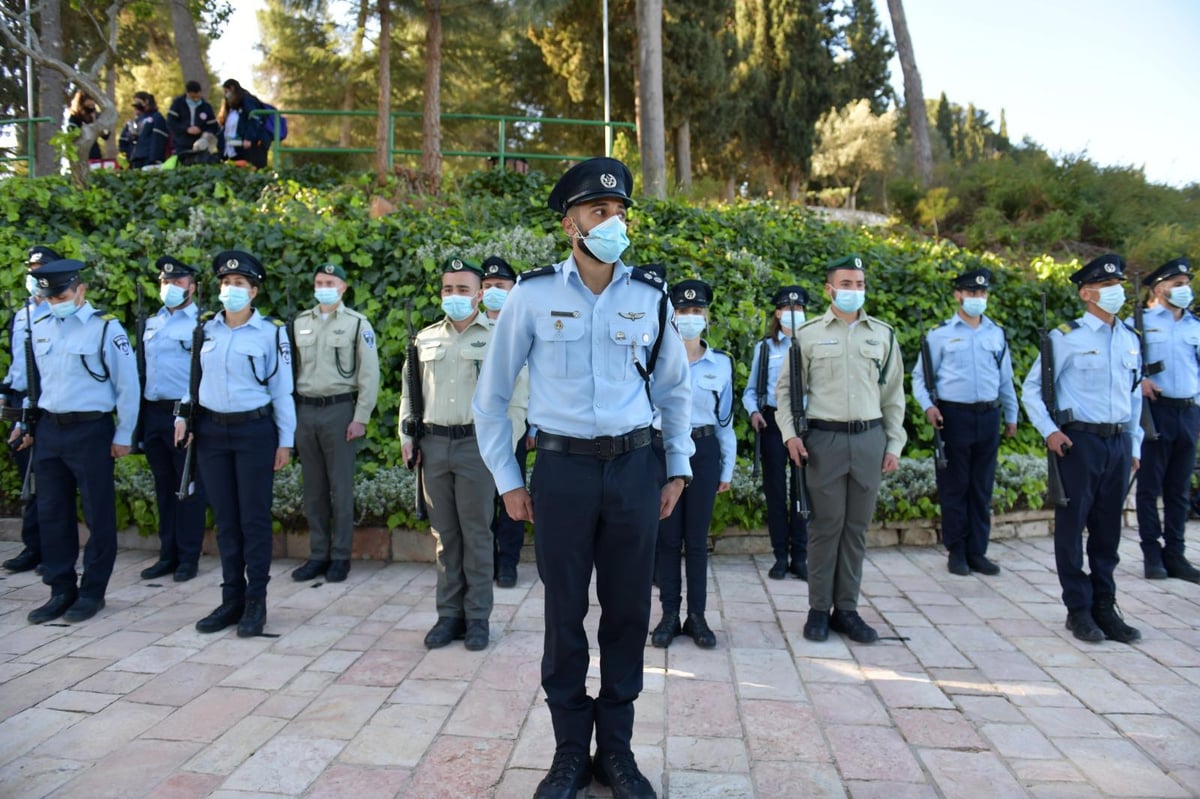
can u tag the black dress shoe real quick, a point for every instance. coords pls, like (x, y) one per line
(84, 608)
(568, 773)
(1083, 626)
(816, 628)
(338, 571)
(851, 625)
(254, 617)
(185, 572)
(1177, 566)
(666, 630)
(779, 570)
(28, 559)
(56, 607)
(619, 771)
(1155, 571)
(445, 631)
(957, 564)
(981, 564)
(799, 568)
(310, 569)
(1152, 556)
(1108, 618)
(506, 576)
(698, 629)
(228, 614)
(476, 636)
(160, 568)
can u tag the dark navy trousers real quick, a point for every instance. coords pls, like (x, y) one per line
(972, 441)
(180, 524)
(1095, 473)
(1166, 471)
(509, 535)
(69, 458)
(788, 530)
(686, 530)
(237, 464)
(601, 514)
(29, 518)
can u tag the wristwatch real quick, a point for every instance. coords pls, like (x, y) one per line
(687, 481)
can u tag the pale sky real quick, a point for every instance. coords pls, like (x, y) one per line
(1117, 79)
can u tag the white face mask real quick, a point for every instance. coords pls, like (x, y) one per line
(1181, 296)
(690, 325)
(1111, 298)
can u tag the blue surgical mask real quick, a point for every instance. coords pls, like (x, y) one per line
(1111, 298)
(193, 103)
(690, 326)
(849, 300)
(63, 310)
(607, 240)
(789, 319)
(1181, 296)
(494, 297)
(234, 298)
(171, 295)
(31, 285)
(327, 295)
(974, 306)
(457, 307)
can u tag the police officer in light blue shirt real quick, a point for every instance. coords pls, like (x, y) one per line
(87, 370)
(602, 356)
(12, 397)
(1095, 432)
(1172, 338)
(974, 376)
(168, 346)
(244, 429)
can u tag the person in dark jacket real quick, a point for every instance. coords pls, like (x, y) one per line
(190, 117)
(150, 147)
(83, 111)
(245, 138)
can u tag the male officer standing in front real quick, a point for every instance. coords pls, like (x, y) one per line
(974, 376)
(1097, 364)
(854, 383)
(337, 383)
(602, 357)
(168, 346)
(87, 370)
(1172, 335)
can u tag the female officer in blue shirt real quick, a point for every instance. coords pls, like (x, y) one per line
(245, 423)
(711, 374)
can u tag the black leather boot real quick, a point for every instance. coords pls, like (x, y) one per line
(254, 617)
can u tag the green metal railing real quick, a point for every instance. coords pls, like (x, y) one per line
(30, 157)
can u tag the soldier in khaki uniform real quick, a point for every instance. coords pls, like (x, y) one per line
(458, 488)
(337, 383)
(854, 386)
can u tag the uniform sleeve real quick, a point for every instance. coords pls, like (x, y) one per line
(124, 375)
(750, 395)
(518, 406)
(1008, 392)
(511, 343)
(920, 391)
(1133, 425)
(158, 142)
(725, 435)
(1031, 398)
(367, 378)
(891, 400)
(280, 386)
(175, 121)
(783, 400)
(404, 411)
(15, 380)
(671, 394)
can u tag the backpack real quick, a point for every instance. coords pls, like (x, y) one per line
(268, 122)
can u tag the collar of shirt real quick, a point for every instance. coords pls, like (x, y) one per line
(480, 319)
(315, 311)
(1094, 322)
(256, 320)
(188, 310)
(829, 317)
(569, 267)
(85, 312)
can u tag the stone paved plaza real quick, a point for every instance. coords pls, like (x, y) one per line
(976, 691)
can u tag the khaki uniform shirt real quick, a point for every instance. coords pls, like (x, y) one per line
(450, 364)
(851, 373)
(337, 355)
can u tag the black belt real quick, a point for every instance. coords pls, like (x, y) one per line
(13, 413)
(167, 406)
(452, 431)
(321, 402)
(605, 447)
(860, 426)
(1175, 402)
(75, 418)
(1106, 430)
(703, 431)
(977, 407)
(237, 418)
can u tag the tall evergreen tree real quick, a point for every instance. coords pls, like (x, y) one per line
(861, 50)
(944, 122)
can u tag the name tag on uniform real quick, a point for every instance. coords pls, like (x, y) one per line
(304, 332)
(572, 314)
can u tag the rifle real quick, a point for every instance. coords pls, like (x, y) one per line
(414, 425)
(939, 445)
(29, 416)
(139, 326)
(1056, 494)
(799, 482)
(760, 392)
(187, 478)
(1147, 421)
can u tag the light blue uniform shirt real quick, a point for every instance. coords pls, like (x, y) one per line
(16, 379)
(71, 354)
(1176, 343)
(971, 364)
(233, 361)
(776, 357)
(712, 393)
(1096, 367)
(168, 343)
(583, 381)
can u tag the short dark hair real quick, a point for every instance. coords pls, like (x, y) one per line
(192, 87)
(231, 84)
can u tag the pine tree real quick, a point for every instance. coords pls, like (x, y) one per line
(945, 123)
(862, 51)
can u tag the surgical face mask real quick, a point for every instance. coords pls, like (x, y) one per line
(457, 307)
(691, 325)
(193, 103)
(1111, 298)
(327, 295)
(1180, 296)
(849, 300)
(62, 310)
(494, 297)
(789, 321)
(234, 298)
(606, 241)
(974, 306)
(31, 285)
(171, 295)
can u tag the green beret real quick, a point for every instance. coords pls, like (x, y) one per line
(456, 264)
(853, 261)
(331, 269)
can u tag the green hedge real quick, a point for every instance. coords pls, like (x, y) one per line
(296, 220)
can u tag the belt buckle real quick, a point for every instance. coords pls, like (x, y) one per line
(856, 426)
(604, 448)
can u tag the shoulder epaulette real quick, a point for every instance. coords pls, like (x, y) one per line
(277, 322)
(1193, 315)
(108, 317)
(541, 271)
(352, 312)
(943, 323)
(649, 278)
(1067, 327)
(808, 322)
(208, 316)
(881, 322)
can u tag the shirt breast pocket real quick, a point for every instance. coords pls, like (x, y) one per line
(826, 358)
(306, 339)
(874, 352)
(431, 353)
(254, 355)
(632, 343)
(557, 334)
(709, 382)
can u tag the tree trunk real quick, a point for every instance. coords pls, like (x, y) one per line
(110, 93)
(914, 95)
(431, 127)
(187, 44)
(51, 87)
(728, 190)
(795, 186)
(651, 123)
(383, 168)
(683, 156)
(356, 49)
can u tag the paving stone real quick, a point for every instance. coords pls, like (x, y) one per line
(456, 767)
(180, 684)
(945, 729)
(907, 690)
(781, 778)
(24, 731)
(79, 701)
(782, 731)
(340, 781)
(380, 668)
(488, 713)
(872, 753)
(132, 770)
(266, 672)
(339, 712)
(1020, 741)
(702, 708)
(35, 776)
(235, 745)
(970, 774)
(887, 789)
(723, 755)
(103, 733)
(836, 703)
(701, 785)
(429, 692)
(1169, 742)
(766, 674)
(186, 785)
(1137, 775)
(209, 715)
(1100, 691)
(284, 765)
